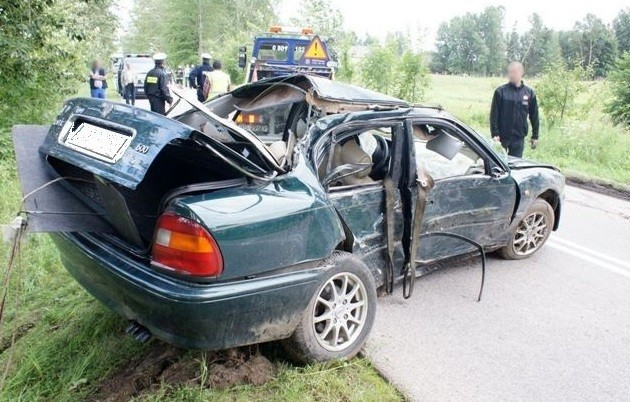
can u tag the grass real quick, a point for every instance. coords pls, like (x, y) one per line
(337, 381)
(589, 147)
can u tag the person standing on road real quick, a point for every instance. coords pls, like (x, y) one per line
(217, 81)
(128, 80)
(186, 76)
(98, 80)
(156, 85)
(512, 103)
(197, 76)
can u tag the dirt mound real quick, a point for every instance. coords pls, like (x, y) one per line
(165, 364)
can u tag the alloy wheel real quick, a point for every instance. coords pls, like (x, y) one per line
(340, 311)
(530, 234)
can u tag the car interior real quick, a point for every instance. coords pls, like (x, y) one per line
(443, 154)
(366, 150)
(439, 151)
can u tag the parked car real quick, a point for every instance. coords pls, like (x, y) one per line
(205, 236)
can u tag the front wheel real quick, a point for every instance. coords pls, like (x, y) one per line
(340, 315)
(531, 232)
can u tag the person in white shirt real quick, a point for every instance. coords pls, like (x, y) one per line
(218, 81)
(128, 81)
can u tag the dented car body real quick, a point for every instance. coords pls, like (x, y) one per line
(210, 237)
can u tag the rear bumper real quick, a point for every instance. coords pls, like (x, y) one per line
(190, 315)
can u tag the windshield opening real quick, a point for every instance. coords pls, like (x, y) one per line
(231, 143)
(273, 51)
(298, 51)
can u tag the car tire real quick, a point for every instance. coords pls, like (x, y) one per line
(340, 315)
(531, 233)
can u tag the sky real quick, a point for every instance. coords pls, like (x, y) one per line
(378, 18)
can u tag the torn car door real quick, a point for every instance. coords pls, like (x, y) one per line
(472, 202)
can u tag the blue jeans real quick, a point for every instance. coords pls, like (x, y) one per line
(130, 94)
(97, 93)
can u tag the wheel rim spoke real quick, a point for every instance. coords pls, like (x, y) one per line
(324, 317)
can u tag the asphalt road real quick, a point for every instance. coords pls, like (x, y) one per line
(552, 327)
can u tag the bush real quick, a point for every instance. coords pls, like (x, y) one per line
(619, 106)
(395, 69)
(557, 91)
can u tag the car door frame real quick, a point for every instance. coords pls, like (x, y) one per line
(368, 236)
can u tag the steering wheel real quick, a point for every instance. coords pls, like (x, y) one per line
(379, 169)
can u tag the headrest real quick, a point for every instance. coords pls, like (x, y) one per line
(351, 152)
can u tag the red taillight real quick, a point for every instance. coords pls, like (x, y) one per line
(186, 247)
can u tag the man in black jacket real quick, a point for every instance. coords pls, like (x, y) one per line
(512, 103)
(197, 76)
(156, 85)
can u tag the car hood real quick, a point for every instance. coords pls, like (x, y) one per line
(519, 163)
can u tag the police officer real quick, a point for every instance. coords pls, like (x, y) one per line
(512, 103)
(197, 76)
(156, 85)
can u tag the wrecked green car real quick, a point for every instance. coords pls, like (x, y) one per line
(206, 236)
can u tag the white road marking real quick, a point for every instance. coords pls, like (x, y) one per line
(594, 253)
(601, 260)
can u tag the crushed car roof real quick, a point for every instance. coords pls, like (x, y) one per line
(325, 89)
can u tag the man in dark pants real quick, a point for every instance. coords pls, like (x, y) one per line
(197, 76)
(155, 85)
(512, 103)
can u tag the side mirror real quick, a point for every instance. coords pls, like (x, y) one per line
(242, 57)
(346, 170)
(497, 173)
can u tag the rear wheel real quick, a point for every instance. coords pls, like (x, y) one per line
(531, 232)
(340, 315)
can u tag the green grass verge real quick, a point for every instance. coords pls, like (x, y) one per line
(588, 147)
(350, 381)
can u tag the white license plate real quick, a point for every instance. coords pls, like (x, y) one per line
(98, 142)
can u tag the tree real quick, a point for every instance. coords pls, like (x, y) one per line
(471, 44)
(188, 28)
(45, 49)
(540, 47)
(442, 60)
(378, 68)
(413, 78)
(395, 68)
(490, 26)
(621, 26)
(320, 15)
(619, 106)
(597, 44)
(557, 91)
(513, 45)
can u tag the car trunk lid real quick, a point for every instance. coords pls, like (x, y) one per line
(110, 168)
